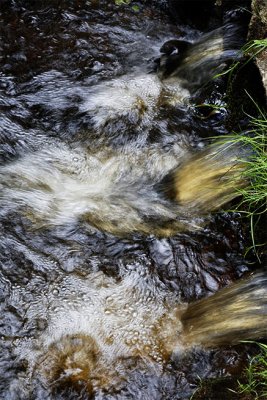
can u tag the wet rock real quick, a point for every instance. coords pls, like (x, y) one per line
(53, 54)
(258, 30)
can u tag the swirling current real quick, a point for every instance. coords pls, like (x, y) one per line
(87, 309)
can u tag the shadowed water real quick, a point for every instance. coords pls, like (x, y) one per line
(87, 314)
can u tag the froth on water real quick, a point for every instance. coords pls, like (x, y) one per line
(99, 331)
(96, 330)
(120, 191)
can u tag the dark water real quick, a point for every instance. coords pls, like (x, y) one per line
(67, 69)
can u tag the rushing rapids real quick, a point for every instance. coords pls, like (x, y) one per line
(91, 135)
(117, 191)
(114, 189)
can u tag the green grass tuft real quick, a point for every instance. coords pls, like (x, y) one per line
(253, 144)
(249, 50)
(255, 383)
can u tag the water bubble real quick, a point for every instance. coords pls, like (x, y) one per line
(109, 299)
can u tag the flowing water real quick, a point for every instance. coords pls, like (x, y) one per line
(95, 271)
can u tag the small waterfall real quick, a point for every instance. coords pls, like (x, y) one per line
(235, 313)
(196, 63)
(121, 191)
(100, 331)
(140, 186)
(208, 179)
(94, 148)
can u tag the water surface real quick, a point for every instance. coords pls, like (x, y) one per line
(67, 287)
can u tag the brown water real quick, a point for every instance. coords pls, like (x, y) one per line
(87, 314)
(233, 314)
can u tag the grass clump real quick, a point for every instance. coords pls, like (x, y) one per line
(250, 50)
(255, 194)
(253, 144)
(255, 383)
(254, 47)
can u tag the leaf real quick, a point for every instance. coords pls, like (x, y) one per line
(135, 8)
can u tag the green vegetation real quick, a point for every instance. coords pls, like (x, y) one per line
(253, 202)
(254, 47)
(254, 195)
(135, 8)
(255, 141)
(122, 2)
(249, 50)
(255, 383)
(251, 386)
(254, 205)
(126, 2)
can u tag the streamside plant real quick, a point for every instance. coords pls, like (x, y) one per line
(255, 141)
(253, 204)
(126, 3)
(250, 50)
(254, 47)
(254, 384)
(253, 201)
(254, 194)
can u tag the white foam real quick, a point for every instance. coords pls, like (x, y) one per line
(135, 95)
(135, 316)
(59, 185)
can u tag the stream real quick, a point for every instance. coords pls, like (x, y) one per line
(91, 294)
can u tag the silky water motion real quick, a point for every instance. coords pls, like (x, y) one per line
(100, 330)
